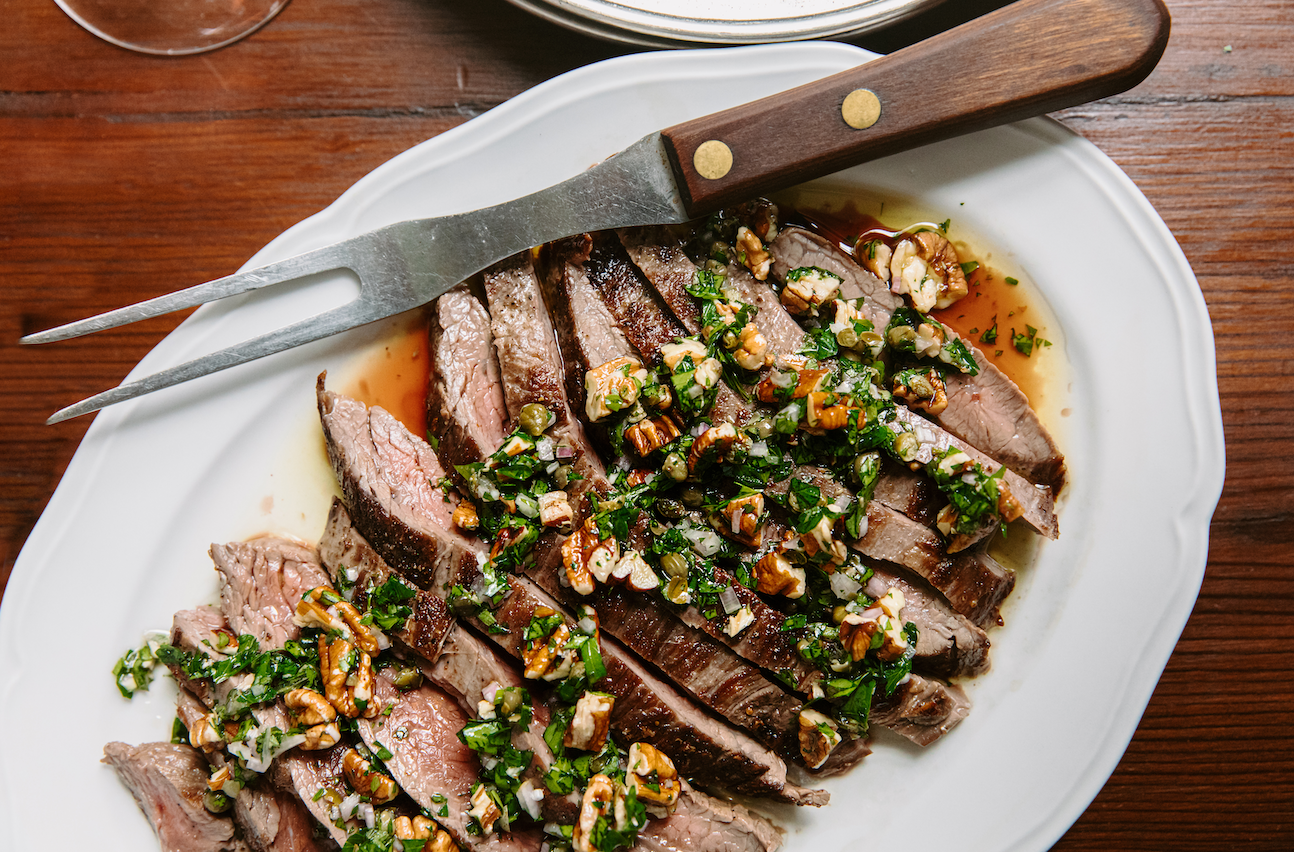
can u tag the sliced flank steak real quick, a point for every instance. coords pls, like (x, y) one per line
(169, 782)
(465, 406)
(419, 727)
(987, 410)
(647, 708)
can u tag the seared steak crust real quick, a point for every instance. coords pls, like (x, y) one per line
(586, 331)
(646, 322)
(390, 481)
(348, 556)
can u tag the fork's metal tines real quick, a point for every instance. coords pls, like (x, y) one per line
(407, 264)
(321, 260)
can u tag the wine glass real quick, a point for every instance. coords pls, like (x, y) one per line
(172, 27)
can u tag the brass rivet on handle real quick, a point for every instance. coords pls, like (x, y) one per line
(712, 159)
(861, 109)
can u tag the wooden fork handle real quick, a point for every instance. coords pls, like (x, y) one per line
(1025, 59)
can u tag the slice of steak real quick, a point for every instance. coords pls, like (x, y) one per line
(707, 670)
(169, 782)
(419, 728)
(452, 658)
(1037, 500)
(587, 333)
(783, 333)
(647, 323)
(647, 709)
(261, 583)
(922, 709)
(532, 364)
(522, 337)
(660, 256)
(795, 247)
(465, 407)
(764, 642)
(974, 583)
(355, 566)
(298, 773)
(987, 410)
(390, 481)
(638, 310)
(705, 824)
(272, 820)
(991, 413)
(948, 643)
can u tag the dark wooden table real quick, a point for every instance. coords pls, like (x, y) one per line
(123, 176)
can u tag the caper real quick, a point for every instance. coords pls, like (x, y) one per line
(562, 475)
(404, 677)
(332, 797)
(865, 467)
(636, 412)
(508, 700)
(838, 614)
(901, 334)
(906, 446)
(535, 418)
(872, 340)
(921, 386)
(671, 509)
(675, 467)
(217, 802)
(715, 266)
(674, 564)
(847, 337)
(693, 498)
(676, 591)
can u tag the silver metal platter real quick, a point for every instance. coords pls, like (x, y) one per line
(689, 23)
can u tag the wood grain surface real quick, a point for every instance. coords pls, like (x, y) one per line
(123, 176)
